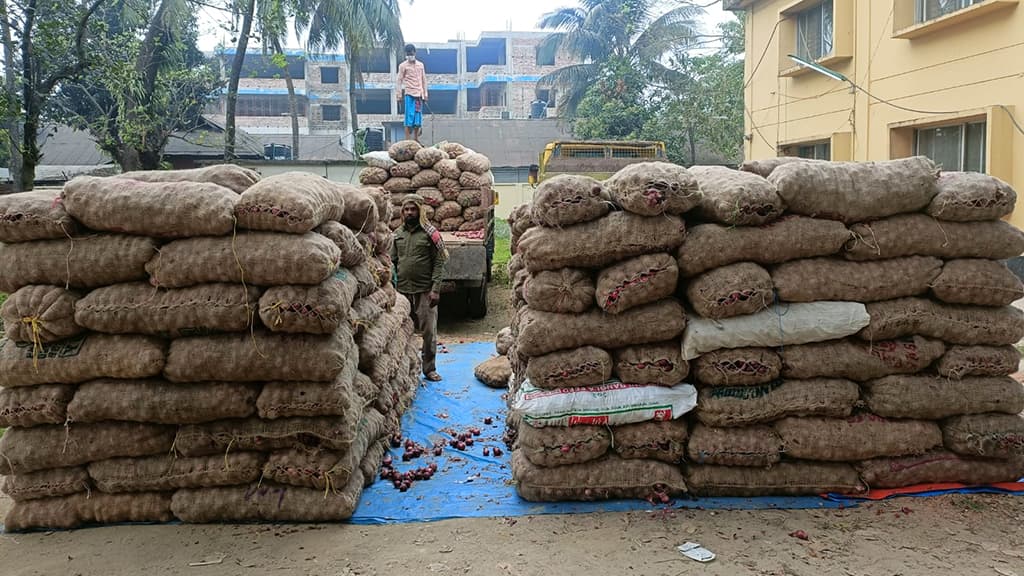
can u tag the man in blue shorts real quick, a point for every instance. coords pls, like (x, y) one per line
(412, 82)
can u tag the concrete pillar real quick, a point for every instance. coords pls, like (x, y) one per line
(308, 67)
(394, 84)
(509, 70)
(462, 107)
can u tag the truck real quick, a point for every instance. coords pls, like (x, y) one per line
(469, 266)
(598, 159)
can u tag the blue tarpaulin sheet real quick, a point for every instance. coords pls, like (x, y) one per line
(470, 485)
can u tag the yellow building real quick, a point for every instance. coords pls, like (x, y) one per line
(941, 78)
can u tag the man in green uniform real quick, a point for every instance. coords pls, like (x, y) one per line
(419, 257)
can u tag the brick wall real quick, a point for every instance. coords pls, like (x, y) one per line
(282, 122)
(330, 94)
(317, 122)
(524, 62)
(379, 78)
(313, 77)
(524, 58)
(442, 78)
(272, 83)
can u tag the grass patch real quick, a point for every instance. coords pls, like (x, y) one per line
(502, 252)
(501, 229)
(971, 504)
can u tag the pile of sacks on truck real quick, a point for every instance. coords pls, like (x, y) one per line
(454, 181)
(794, 327)
(198, 345)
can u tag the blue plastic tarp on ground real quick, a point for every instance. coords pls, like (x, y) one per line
(470, 485)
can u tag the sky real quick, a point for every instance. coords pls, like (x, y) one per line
(443, 20)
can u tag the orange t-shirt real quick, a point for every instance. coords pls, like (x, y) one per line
(412, 76)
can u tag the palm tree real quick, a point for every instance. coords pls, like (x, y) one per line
(359, 26)
(271, 22)
(246, 10)
(631, 33)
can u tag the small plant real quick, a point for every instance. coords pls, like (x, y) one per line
(360, 143)
(970, 504)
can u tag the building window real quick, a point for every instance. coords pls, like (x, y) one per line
(329, 75)
(266, 66)
(814, 32)
(332, 113)
(958, 148)
(492, 94)
(545, 59)
(268, 105)
(819, 151)
(375, 101)
(931, 9)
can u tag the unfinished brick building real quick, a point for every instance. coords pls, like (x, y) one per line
(491, 78)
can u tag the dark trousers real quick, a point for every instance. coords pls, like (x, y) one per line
(425, 318)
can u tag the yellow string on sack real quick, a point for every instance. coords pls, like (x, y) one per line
(35, 327)
(276, 307)
(251, 310)
(328, 485)
(67, 261)
(228, 450)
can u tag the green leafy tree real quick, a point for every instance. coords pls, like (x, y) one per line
(46, 43)
(10, 103)
(150, 82)
(243, 11)
(605, 35)
(5, 148)
(703, 107)
(615, 107)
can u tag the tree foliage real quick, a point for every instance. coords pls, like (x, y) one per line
(704, 109)
(46, 42)
(608, 36)
(127, 71)
(697, 109)
(615, 107)
(148, 82)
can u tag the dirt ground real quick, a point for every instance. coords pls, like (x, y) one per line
(961, 535)
(453, 325)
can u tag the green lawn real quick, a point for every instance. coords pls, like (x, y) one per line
(502, 252)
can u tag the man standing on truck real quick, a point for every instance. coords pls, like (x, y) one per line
(419, 256)
(412, 86)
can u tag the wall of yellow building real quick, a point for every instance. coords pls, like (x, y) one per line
(969, 68)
